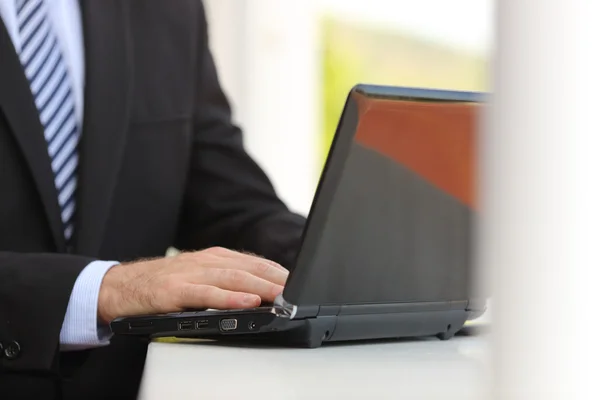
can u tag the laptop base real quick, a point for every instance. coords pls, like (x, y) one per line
(263, 326)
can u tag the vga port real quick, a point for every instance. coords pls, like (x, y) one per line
(228, 324)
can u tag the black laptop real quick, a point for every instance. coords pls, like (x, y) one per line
(387, 248)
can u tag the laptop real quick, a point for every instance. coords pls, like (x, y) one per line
(386, 251)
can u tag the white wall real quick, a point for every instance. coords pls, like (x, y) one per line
(267, 55)
(541, 200)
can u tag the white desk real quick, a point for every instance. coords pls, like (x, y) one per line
(407, 369)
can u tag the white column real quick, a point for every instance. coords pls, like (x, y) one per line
(268, 59)
(540, 193)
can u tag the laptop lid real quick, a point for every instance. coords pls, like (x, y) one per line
(392, 217)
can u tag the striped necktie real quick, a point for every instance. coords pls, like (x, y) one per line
(48, 77)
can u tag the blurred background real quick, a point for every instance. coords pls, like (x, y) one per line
(287, 67)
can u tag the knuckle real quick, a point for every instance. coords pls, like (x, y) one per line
(207, 291)
(204, 295)
(217, 250)
(181, 294)
(173, 288)
(230, 300)
(235, 276)
(260, 267)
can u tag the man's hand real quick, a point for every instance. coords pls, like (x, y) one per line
(214, 278)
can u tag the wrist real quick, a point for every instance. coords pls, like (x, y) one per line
(110, 294)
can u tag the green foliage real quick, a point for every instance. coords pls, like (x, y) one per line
(354, 54)
(341, 70)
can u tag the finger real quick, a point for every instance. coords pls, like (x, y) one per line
(275, 265)
(245, 255)
(260, 267)
(270, 262)
(238, 281)
(207, 296)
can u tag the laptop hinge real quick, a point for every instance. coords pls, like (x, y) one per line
(307, 312)
(329, 311)
(284, 309)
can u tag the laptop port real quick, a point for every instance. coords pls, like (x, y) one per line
(203, 323)
(186, 325)
(140, 324)
(228, 324)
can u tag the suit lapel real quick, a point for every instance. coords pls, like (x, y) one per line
(106, 114)
(17, 104)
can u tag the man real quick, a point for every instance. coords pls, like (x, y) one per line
(116, 142)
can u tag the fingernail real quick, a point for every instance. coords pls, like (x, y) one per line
(277, 290)
(249, 300)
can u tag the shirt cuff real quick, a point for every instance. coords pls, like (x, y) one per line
(80, 328)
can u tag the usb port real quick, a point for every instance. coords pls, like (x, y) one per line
(203, 323)
(186, 325)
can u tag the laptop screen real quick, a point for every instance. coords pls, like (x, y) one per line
(392, 218)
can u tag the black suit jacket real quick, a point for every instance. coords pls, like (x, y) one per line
(161, 164)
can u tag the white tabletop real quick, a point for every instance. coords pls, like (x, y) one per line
(404, 369)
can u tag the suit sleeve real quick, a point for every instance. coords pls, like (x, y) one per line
(230, 201)
(34, 294)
